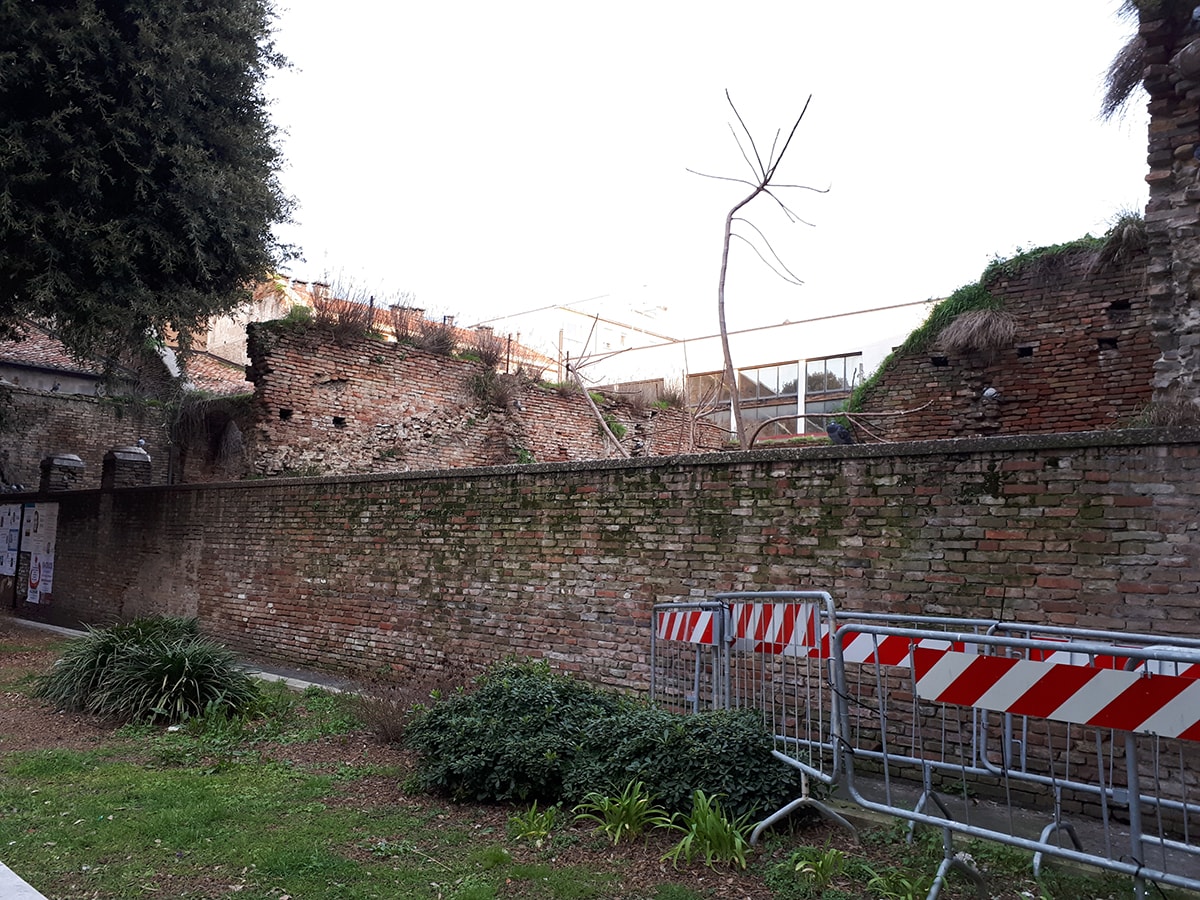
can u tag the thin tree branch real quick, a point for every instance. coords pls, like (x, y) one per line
(723, 178)
(787, 211)
(777, 257)
(788, 143)
(757, 174)
(596, 411)
(786, 275)
(762, 171)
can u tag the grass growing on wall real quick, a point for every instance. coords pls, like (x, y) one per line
(976, 295)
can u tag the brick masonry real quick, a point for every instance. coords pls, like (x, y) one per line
(1081, 359)
(1172, 78)
(35, 424)
(323, 407)
(387, 574)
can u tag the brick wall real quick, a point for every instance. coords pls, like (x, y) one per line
(1172, 78)
(35, 424)
(323, 407)
(1082, 359)
(386, 573)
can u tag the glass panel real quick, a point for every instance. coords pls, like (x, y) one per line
(789, 380)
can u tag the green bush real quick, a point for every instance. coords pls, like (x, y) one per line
(527, 734)
(514, 737)
(725, 753)
(148, 670)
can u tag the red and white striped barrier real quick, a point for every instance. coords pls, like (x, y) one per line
(695, 626)
(780, 629)
(882, 650)
(1165, 705)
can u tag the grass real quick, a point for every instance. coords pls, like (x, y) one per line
(217, 809)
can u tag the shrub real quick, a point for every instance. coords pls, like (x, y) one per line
(725, 752)
(527, 734)
(87, 660)
(150, 670)
(514, 737)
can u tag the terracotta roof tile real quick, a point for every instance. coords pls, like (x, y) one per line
(218, 377)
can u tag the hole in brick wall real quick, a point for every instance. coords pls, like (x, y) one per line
(284, 415)
(939, 361)
(1107, 343)
(339, 421)
(1024, 351)
(1119, 309)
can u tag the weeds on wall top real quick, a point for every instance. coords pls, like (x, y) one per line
(1122, 241)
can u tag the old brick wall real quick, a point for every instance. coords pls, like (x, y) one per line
(35, 424)
(1082, 359)
(364, 405)
(372, 574)
(1172, 78)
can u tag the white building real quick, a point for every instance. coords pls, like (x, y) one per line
(624, 343)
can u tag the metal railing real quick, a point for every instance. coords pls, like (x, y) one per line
(846, 698)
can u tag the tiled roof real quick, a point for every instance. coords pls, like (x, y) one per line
(40, 350)
(215, 376)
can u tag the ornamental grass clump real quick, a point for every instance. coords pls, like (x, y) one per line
(150, 670)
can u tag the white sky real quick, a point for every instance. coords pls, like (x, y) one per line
(493, 157)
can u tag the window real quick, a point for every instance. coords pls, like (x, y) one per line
(773, 392)
(827, 386)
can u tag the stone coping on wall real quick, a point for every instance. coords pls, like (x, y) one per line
(1129, 437)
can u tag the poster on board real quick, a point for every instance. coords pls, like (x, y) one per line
(39, 528)
(10, 537)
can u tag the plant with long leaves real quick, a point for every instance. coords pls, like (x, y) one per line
(710, 833)
(624, 815)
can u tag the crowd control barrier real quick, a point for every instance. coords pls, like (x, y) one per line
(920, 717)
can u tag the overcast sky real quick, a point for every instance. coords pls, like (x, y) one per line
(495, 157)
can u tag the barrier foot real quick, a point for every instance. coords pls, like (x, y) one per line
(824, 811)
(958, 864)
(1045, 839)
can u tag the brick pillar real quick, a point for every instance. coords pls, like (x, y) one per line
(60, 472)
(125, 467)
(1172, 78)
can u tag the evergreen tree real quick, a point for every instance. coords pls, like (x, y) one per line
(138, 183)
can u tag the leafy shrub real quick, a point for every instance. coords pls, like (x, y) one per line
(527, 734)
(86, 660)
(148, 670)
(725, 752)
(515, 737)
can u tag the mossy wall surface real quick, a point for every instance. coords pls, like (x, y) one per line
(389, 574)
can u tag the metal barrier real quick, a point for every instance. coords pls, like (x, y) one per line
(1078, 693)
(846, 698)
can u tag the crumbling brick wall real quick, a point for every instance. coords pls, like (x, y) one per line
(364, 405)
(1082, 358)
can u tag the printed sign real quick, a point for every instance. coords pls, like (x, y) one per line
(10, 537)
(39, 529)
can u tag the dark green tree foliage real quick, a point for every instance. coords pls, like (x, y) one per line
(138, 181)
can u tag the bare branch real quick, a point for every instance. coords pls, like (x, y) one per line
(793, 277)
(788, 142)
(787, 211)
(803, 187)
(596, 412)
(761, 171)
(722, 178)
(757, 174)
